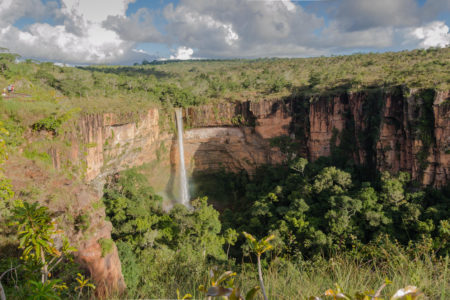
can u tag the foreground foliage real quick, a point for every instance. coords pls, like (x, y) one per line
(162, 252)
(45, 269)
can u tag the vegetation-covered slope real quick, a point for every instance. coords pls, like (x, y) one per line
(192, 82)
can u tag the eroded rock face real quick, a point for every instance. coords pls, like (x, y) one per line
(105, 271)
(272, 118)
(398, 145)
(326, 119)
(406, 144)
(244, 144)
(438, 171)
(229, 148)
(385, 131)
(116, 142)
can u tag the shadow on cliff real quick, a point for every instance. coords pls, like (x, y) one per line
(169, 190)
(133, 71)
(345, 86)
(214, 173)
(311, 90)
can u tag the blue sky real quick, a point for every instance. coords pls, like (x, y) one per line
(127, 31)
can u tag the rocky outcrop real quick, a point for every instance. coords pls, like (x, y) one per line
(326, 119)
(234, 136)
(114, 142)
(105, 268)
(438, 171)
(414, 136)
(388, 131)
(232, 149)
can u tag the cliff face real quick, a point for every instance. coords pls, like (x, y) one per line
(235, 136)
(230, 136)
(387, 131)
(106, 269)
(438, 171)
(114, 142)
(233, 149)
(383, 130)
(75, 199)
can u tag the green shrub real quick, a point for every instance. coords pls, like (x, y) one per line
(107, 246)
(131, 267)
(15, 131)
(82, 222)
(52, 123)
(279, 84)
(36, 155)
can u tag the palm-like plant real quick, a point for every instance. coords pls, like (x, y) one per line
(83, 283)
(45, 291)
(186, 296)
(259, 247)
(36, 230)
(222, 285)
(407, 293)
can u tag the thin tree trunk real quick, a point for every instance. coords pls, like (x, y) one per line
(261, 282)
(44, 267)
(2, 292)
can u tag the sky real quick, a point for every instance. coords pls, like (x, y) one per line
(126, 31)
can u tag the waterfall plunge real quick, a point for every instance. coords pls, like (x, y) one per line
(183, 180)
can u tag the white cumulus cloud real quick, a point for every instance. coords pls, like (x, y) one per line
(78, 37)
(100, 31)
(435, 34)
(241, 28)
(183, 53)
(137, 27)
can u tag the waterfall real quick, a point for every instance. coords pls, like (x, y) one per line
(184, 192)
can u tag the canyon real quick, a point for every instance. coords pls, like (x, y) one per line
(384, 128)
(392, 130)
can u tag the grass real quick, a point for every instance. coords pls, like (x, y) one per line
(300, 280)
(296, 278)
(287, 280)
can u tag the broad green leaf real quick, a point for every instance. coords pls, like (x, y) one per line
(224, 276)
(217, 291)
(252, 293)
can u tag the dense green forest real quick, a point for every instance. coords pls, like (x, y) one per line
(327, 225)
